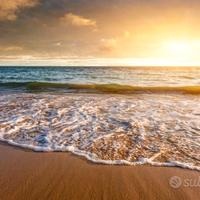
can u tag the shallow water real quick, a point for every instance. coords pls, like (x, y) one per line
(152, 129)
(82, 110)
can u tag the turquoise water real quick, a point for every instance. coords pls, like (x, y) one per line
(102, 75)
(109, 79)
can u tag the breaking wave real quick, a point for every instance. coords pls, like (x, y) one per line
(99, 88)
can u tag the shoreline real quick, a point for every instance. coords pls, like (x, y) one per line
(54, 175)
(90, 159)
(113, 130)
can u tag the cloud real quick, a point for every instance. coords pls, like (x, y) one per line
(11, 48)
(111, 44)
(127, 34)
(77, 20)
(108, 45)
(10, 8)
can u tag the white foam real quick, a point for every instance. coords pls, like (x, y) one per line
(118, 130)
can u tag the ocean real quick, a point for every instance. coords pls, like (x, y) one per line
(99, 79)
(110, 115)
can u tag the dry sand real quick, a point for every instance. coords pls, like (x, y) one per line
(29, 175)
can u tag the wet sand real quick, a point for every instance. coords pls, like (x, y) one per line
(29, 175)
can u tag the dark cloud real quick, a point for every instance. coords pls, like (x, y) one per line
(10, 8)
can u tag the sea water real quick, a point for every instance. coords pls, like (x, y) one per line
(109, 115)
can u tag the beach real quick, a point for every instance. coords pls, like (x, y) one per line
(99, 133)
(99, 100)
(30, 175)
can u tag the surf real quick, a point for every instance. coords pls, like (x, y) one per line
(161, 130)
(100, 88)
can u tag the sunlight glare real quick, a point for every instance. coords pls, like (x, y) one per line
(178, 48)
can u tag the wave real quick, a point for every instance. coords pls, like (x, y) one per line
(100, 88)
(161, 130)
(93, 158)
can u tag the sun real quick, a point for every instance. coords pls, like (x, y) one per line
(178, 48)
(177, 52)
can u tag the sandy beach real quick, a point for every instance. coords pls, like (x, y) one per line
(30, 175)
(99, 100)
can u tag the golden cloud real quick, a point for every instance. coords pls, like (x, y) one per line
(112, 44)
(11, 48)
(77, 20)
(10, 8)
(108, 45)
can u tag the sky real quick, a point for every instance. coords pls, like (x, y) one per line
(99, 32)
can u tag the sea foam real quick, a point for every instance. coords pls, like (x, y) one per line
(155, 129)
